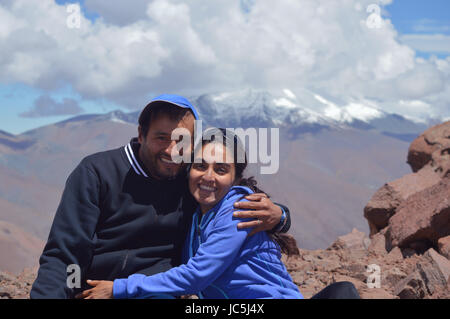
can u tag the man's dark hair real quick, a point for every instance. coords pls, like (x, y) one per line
(160, 108)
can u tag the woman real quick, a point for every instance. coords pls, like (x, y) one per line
(221, 261)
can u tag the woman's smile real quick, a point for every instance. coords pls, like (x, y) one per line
(211, 176)
(207, 189)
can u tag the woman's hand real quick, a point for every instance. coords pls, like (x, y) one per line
(266, 213)
(102, 290)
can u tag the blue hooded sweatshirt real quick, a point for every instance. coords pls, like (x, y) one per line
(220, 261)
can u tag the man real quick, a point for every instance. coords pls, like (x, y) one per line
(127, 210)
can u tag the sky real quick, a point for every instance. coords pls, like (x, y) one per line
(392, 53)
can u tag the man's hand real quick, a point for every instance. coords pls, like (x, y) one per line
(102, 290)
(266, 213)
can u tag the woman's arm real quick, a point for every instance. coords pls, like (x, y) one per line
(211, 260)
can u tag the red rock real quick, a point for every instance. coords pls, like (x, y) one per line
(378, 244)
(357, 270)
(392, 276)
(424, 216)
(428, 280)
(415, 182)
(353, 244)
(440, 263)
(17, 287)
(395, 255)
(422, 149)
(381, 207)
(444, 246)
(412, 287)
(353, 240)
(328, 265)
(384, 203)
(419, 153)
(431, 276)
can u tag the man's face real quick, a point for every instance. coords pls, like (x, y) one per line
(156, 148)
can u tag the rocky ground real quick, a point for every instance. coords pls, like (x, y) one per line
(406, 256)
(375, 272)
(16, 287)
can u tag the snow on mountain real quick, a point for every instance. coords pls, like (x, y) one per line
(255, 108)
(301, 111)
(348, 113)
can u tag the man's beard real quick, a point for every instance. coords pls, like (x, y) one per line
(159, 173)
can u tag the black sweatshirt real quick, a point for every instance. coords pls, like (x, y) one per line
(113, 221)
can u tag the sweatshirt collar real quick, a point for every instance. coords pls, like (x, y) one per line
(132, 151)
(132, 154)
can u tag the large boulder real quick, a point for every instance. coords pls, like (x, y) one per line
(384, 203)
(419, 153)
(381, 207)
(422, 220)
(431, 148)
(414, 211)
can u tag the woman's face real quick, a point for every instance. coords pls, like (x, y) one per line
(210, 180)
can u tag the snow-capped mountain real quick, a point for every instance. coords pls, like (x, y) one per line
(300, 112)
(257, 108)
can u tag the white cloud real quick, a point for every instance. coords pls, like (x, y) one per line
(425, 79)
(96, 59)
(416, 104)
(147, 47)
(9, 23)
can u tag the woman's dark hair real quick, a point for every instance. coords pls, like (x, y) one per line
(230, 139)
